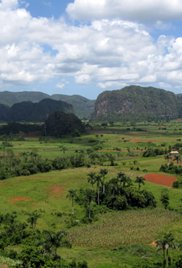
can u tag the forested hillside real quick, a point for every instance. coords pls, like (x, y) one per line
(137, 103)
(82, 107)
(28, 111)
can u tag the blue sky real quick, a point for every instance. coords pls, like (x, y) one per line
(47, 8)
(85, 47)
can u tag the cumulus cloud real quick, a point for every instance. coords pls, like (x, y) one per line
(8, 4)
(109, 53)
(126, 9)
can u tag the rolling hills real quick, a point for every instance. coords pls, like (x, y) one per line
(82, 107)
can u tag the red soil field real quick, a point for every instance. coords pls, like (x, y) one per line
(19, 199)
(161, 179)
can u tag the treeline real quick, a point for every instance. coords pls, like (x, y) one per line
(57, 124)
(171, 168)
(29, 163)
(13, 128)
(154, 152)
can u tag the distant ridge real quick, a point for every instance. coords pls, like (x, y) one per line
(9, 98)
(138, 103)
(82, 107)
(33, 112)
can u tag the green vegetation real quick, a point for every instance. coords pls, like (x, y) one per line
(82, 107)
(137, 103)
(33, 112)
(59, 124)
(86, 201)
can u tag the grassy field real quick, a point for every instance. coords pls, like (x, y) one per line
(116, 239)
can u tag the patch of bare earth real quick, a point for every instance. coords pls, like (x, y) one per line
(161, 179)
(153, 244)
(56, 190)
(16, 199)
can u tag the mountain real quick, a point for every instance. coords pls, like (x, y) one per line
(29, 111)
(83, 107)
(137, 103)
(59, 124)
(4, 110)
(179, 101)
(10, 98)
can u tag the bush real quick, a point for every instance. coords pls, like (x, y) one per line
(176, 184)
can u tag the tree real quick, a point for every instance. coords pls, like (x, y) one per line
(164, 244)
(54, 240)
(72, 196)
(140, 180)
(99, 184)
(89, 198)
(32, 256)
(32, 219)
(85, 198)
(165, 198)
(123, 180)
(103, 172)
(91, 178)
(96, 178)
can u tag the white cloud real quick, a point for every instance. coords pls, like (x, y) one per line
(126, 9)
(109, 53)
(8, 4)
(60, 85)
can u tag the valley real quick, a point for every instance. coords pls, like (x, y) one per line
(114, 238)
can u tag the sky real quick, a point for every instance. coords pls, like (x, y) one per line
(85, 47)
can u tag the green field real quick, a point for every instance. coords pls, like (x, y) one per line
(115, 238)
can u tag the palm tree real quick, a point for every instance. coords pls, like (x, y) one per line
(166, 242)
(91, 178)
(98, 184)
(72, 195)
(103, 172)
(89, 195)
(112, 187)
(94, 178)
(123, 180)
(140, 180)
(32, 219)
(54, 240)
